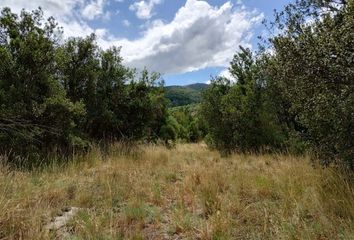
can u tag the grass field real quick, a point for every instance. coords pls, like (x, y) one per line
(188, 192)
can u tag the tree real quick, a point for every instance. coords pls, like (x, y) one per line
(57, 96)
(190, 126)
(168, 132)
(240, 116)
(313, 68)
(35, 114)
(121, 104)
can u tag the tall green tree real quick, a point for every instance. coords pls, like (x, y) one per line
(35, 114)
(58, 95)
(190, 127)
(240, 116)
(121, 103)
(313, 67)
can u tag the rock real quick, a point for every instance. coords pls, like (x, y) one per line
(61, 220)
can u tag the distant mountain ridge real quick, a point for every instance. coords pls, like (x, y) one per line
(185, 95)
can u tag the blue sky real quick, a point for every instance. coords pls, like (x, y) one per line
(187, 41)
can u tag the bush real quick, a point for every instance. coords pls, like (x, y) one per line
(57, 98)
(312, 66)
(241, 116)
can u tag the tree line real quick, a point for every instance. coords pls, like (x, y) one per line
(59, 96)
(294, 94)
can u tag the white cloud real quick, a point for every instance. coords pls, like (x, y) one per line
(66, 12)
(52, 7)
(107, 16)
(94, 9)
(226, 74)
(126, 23)
(143, 9)
(199, 36)
(101, 32)
(70, 14)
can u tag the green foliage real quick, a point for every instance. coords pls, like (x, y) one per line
(168, 131)
(121, 104)
(35, 115)
(312, 66)
(185, 95)
(57, 98)
(190, 126)
(184, 124)
(300, 95)
(240, 116)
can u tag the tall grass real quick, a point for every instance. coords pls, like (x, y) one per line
(189, 192)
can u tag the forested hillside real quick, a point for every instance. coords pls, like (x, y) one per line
(185, 95)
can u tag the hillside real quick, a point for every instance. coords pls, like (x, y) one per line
(185, 95)
(188, 192)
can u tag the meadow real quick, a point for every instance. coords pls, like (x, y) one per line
(187, 192)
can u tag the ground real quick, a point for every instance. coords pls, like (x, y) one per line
(188, 192)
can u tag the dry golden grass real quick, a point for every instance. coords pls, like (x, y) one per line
(188, 192)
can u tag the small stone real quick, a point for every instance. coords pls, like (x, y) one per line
(62, 219)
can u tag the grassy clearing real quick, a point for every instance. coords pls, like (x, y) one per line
(188, 192)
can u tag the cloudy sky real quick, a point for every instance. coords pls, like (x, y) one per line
(187, 41)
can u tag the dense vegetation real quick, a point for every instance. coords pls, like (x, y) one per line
(241, 116)
(189, 126)
(185, 95)
(59, 96)
(299, 95)
(145, 161)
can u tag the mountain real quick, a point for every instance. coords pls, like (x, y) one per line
(185, 95)
(198, 86)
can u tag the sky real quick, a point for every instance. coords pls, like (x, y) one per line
(187, 41)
